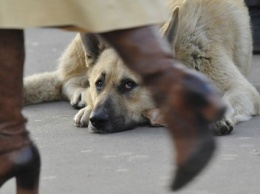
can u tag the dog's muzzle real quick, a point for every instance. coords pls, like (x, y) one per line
(99, 120)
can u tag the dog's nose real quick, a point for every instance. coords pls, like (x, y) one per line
(99, 119)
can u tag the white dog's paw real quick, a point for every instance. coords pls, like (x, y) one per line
(226, 124)
(82, 117)
(222, 127)
(78, 99)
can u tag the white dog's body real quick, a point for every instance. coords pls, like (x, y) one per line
(211, 36)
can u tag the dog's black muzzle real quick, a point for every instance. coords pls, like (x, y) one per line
(99, 120)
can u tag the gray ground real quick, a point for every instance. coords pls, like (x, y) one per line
(137, 161)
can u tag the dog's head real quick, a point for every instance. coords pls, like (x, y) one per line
(115, 95)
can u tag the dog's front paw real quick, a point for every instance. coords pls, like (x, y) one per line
(82, 117)
(78, 98)
(222, 127)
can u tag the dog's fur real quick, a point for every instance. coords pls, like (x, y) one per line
(211, 36)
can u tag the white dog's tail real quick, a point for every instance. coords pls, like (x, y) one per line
(43, 87)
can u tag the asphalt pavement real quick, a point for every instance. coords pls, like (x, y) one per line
(75, 161)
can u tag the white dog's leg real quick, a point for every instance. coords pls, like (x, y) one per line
(241, 97)
(43, 87)
(74, 90)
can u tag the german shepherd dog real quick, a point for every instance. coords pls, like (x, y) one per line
(210, 36)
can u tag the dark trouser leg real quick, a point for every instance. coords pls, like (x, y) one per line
(18, 156)
(187, 102)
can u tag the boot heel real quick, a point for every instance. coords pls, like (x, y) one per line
(27, 178)
(28, 182)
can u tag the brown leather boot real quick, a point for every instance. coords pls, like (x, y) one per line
(188, 103)
(19, 157)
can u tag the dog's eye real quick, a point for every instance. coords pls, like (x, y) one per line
(129, 85)
(99, 85)
(126, 86)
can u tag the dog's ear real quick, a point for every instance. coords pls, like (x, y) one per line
(172, 28)
(155, 117)
(92, 45)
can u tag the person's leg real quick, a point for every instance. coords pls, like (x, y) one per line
(188, 103)
(18, 156)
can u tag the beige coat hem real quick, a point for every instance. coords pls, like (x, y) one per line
(87, 15)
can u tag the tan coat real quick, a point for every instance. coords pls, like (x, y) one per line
(87, 15)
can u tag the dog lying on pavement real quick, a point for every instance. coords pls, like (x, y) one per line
(211, 36)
